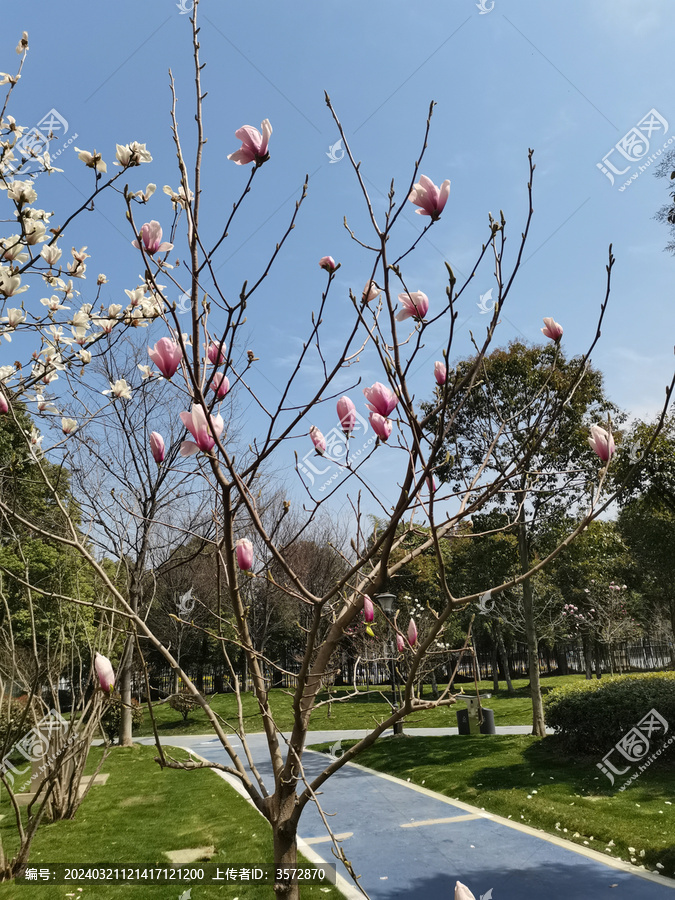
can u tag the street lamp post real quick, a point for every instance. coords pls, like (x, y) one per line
(388, 604)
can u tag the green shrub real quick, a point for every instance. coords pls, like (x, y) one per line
(591, 716)
(184, 703)
(111, 718)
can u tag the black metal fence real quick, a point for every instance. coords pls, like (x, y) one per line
(642, 656)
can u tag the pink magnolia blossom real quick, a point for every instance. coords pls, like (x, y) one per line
(429, 198)
(462, 892)
(104, 672)
(368, 610)
(347, 414)
(431, 483)
(379, 399)
(253, 144)
(244, 551)
(601, 442)
(166, 355)
(400, 643)
(328, 263)
(440, 372)
(415, 306)
(203, 430)
(220, 384)
(412, 633)
(4, 405)
(216, 353)
(318, 440)
(157, 447)
(151, 235)
(381, 426)
(552, 329)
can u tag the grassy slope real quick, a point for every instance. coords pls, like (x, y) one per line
(362, 712)
(143, 811)
(532, 781)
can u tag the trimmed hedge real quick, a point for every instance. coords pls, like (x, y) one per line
(590, 716)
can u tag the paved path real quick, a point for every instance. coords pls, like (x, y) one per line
(409, 843)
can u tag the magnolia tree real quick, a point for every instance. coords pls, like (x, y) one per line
(200, 364)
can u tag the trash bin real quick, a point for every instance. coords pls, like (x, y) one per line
(463, 726)
(468, 721)
(488, 726)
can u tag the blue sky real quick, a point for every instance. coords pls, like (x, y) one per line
(569, 80)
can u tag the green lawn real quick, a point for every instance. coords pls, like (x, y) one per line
(364, 711)
(532, 781)
(141, 812)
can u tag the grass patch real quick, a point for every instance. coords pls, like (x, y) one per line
(364, 711)
(532, 781)
(143, 811)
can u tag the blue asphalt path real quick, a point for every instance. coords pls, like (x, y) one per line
(402, 850)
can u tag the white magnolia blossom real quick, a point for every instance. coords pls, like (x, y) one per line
(68, 426)
(53, 303)
(6, 78)
(177, 199)
(10, 125)
(22, 46)
(20, 191)
(102, 279)
(35, 231)
(6, 372)
(14, 317)
(146, 371)
(114, 310)
(119, 388)
(79, 335)
(132, 154)
(44, 405)
(12, 249)
(144, 196)
(85, 356)
(82, 319)
(106, 325)
(55, 335)
(32, 213)
(136, 296)
(51, 253)
(10, 284)
(92, 160)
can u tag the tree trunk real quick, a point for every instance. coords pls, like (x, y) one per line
(598, 662)
(434, 685)
(503, 655)
(538, 726)
(495, 668)
(284, 833)
(588, 658)
(126, 722)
